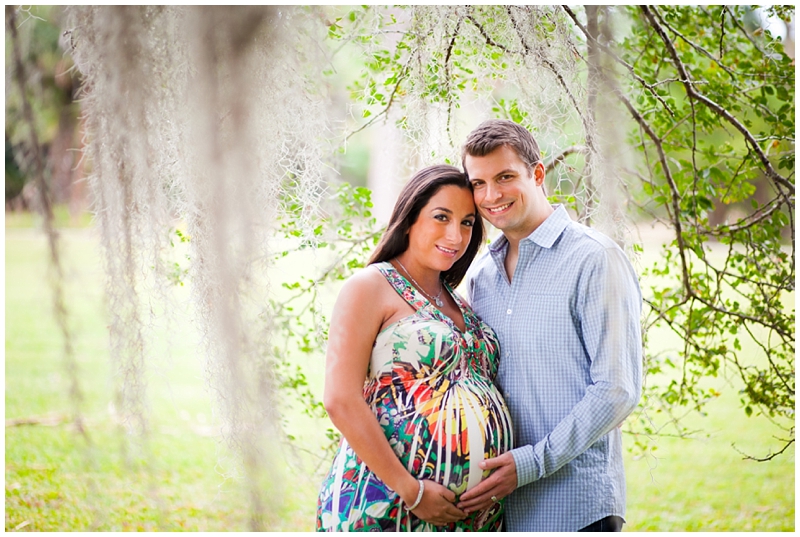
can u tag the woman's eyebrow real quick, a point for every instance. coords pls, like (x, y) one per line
(448, 211)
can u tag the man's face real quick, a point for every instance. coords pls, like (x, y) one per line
(505, 190)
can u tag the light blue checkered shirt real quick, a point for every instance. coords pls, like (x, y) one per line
(570, 368)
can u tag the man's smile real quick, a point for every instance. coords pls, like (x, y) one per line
(499, 209)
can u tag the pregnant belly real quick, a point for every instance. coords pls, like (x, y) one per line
(444, 434)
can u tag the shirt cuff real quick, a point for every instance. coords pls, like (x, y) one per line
(525, 461)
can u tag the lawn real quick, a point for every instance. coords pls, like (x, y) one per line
(176, 478)
(705, 485)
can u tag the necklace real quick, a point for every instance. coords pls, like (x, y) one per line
(436, 299)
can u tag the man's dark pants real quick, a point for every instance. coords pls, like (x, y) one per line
(609, 523)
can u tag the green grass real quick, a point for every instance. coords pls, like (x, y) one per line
(706, 485)
(174, 482)
(61, 214)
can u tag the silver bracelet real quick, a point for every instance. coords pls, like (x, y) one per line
(419, 496)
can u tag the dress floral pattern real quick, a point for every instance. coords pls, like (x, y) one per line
(430, 387)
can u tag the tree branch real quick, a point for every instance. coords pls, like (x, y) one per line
(740, 27)
(676, 206)
(564, 154)
(559, 77)
(447, 78)
(743, 316)
(654, 19)
(775, 369)
(769, 457)
(759, 216)
(629, 67)
(385, 111)
(486, 36)
(701, 50)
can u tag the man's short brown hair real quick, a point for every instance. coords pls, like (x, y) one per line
(494, 133)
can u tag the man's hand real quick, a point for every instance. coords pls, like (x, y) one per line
(501, 483)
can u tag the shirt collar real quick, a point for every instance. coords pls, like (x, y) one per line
(548, 231)
(545, 235)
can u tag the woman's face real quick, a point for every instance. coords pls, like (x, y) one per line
(441, 234)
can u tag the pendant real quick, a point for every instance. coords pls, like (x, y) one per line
(438, 301)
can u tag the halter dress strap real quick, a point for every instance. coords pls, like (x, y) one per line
(403, 287)
(419, 302)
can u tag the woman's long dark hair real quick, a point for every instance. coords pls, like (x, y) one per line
(414, 196)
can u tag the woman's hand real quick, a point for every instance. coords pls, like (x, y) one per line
(438, 505)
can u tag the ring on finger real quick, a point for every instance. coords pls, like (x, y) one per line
(494, 499)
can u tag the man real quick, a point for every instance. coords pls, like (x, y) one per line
(565, 304)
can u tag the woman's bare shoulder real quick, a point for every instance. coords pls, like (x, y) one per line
(369, 300)
(368, 278)
(367, 283)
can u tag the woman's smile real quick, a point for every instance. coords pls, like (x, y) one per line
(447, 251)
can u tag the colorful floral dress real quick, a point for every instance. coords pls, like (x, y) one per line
(430, 387)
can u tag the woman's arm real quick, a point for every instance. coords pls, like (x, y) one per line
(359, 313)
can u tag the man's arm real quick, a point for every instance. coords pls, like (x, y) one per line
(610, 330)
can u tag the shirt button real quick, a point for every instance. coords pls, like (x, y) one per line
(508, 312)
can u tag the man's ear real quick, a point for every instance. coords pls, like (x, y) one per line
(538, 173)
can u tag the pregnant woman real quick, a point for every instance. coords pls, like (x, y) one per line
(409, 374)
